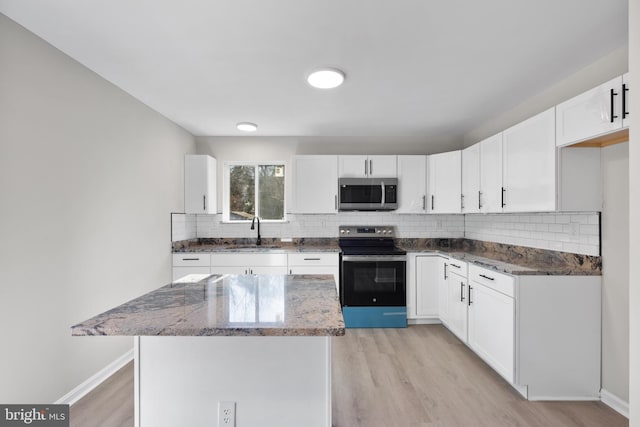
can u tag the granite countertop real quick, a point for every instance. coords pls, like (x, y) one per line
(269, 245)
(228, 305)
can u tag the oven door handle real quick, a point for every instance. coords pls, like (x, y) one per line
(373, 258)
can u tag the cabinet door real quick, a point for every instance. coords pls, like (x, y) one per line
(382, 167)
(457, 306)
(444, 182)
(412, 183)
(625, 101)
(178, 272)
(428, 276)
(491, 328)
(471, 179)
(592, 113)
(315, 184)
(199, 184)
(353, 166)
(443, 293)
(529, 165)
(491, 174)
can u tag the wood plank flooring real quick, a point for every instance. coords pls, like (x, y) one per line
(415, 377)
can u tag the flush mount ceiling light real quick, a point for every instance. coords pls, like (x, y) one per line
(247, 127)
(326, 78)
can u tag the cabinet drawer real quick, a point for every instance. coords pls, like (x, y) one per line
(491, 279)
(457, 267)
(249, 259)
(191, 260)
(304, 259)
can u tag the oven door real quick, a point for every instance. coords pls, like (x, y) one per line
(373, 280)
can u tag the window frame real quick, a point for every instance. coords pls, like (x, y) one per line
(226, 189)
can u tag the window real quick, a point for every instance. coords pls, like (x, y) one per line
(254, 189)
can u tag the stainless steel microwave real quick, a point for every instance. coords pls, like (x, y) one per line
(367, 194)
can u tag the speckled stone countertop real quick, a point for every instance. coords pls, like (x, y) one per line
(228, 305)
(510, 259)
(249, 245)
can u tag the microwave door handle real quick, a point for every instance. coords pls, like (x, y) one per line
(382, 185)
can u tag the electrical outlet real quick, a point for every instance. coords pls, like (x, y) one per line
(226, 414)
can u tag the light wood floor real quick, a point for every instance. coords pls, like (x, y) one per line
(420, 376)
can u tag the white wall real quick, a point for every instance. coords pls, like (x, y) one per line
(88, 177)
(615, 271)
(634, 214)
(612, 65)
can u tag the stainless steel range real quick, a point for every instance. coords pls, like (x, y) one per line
(372, 278)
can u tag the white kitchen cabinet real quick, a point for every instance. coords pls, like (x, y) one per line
(457, 302)
(491, 174)
(471, 179)
(189, 263)
(595, 112)
(412, 184)
(315, 263)
(491, 325)
(529, 165)
(363, 166)
(249, 263)
(315, 184)
(443, 292)
(200, 184)
(444, 183)
(425, 276)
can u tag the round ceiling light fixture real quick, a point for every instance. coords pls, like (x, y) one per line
(326, 78)
(247, 126)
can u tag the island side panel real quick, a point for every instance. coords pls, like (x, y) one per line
(275, 381)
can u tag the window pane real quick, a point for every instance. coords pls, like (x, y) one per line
(271, 191)
(242, 192)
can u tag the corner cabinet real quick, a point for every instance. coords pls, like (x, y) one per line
(315, 184)
(529, 165)
(199, 184)
(444, 182)
(599, 111)
(367, 166)
(412, 184)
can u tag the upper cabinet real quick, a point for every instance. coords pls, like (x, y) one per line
(444, 183)
(315, 184)
(529, 165)
(367, 166)
(199, 184)
(599, 111)
(412, 184)
(471, 179)
(491, 174)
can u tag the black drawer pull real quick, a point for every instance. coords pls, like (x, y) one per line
(454, 265)
(191, 259)
(612, 94)
(625, 89)
(487, 277)
(461, 291)
(312, 259)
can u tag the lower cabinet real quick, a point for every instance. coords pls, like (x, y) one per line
(315, 263)
(255, 263)
(491, 326)
(457, 293)
(190, 263)
(425, 278)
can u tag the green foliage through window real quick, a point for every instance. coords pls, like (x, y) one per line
(256, 190)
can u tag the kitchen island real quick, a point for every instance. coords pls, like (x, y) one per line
(260, 341)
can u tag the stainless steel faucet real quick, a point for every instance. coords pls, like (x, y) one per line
(259, 240)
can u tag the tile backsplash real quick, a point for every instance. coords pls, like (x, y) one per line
(576, 232)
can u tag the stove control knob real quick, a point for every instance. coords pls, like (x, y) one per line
(341, 231)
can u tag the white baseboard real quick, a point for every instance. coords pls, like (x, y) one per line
(98, 378)
(614, 402)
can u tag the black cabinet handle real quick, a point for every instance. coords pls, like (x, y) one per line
(469, 299)
(445, 272)
(191, 259)
(502, 197)
(204, 202)
(461, 291)
(625, 89)
(432, 202)
(462, 201)
(455, 265)
(612, 93)
(312, 259)
(479, 200)
(487, 277)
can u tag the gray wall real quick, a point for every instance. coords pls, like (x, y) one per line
(88, 177)
(634, 213)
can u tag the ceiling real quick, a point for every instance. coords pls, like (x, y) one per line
(415, 68)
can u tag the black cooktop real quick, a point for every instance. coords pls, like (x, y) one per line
(373, 246)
